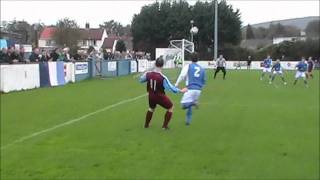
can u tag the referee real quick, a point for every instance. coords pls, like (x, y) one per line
(221, 65)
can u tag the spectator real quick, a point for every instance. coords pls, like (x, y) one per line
(92, 54)
(134, 55)
(54, 56)
(22, 55)
(43, 56)
(61, 55)
(4, 57)
(9, 52)
(100, 54)
(66, 54)
(77, 56)
(13, 55)
(48, 55)
(17, 55)
(110, 56)
(148, 56)
(34, 57)
(105, 54)
(249, 60)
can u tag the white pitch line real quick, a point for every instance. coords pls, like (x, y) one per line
(70, 121)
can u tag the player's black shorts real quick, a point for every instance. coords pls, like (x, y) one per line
(223, 69)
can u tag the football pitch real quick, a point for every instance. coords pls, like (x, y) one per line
(244, 129)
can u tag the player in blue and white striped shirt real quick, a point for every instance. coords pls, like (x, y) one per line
(194, 75)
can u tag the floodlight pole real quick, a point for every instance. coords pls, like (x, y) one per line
(215, 55)
(191, 22)
(182, 53)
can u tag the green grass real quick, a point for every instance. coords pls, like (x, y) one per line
(244, 129)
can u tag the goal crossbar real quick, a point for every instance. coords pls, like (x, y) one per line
(183, 45)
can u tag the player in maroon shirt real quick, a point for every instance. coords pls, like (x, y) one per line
(157, 83)
(310, 68)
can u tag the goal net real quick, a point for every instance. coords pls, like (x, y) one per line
(182, 45)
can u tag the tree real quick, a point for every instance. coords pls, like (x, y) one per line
(260, 33)
(313, 28)
(158, 23)
(29, 32)
(114, 27)
(67, 33)
(292, 50)
(249, 32)
(121, 46)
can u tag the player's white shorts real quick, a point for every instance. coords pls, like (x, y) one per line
(300, 74)
(191, 96)
(267, 70)
(277, 72)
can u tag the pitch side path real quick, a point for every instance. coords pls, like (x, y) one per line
(244, 129)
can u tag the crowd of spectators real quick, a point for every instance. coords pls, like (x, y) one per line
(14, 55)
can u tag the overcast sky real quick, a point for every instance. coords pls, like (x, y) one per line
(96, 12)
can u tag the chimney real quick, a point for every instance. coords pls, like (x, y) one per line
(87, 25)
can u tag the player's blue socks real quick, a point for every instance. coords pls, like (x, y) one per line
(188, 107)
(189, 115)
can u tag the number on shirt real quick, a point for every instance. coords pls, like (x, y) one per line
(197, 72)
(153, 84)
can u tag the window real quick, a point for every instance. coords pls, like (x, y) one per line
(50, 43)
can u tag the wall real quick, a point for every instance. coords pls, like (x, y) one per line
(19, 77)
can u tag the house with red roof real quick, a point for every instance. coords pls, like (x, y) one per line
(89, 37)
(96, 37)
(46, 38)
(92, 37)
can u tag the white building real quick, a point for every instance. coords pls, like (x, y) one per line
(279, 40)
(89, 37)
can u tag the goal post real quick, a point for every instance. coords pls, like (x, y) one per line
(183, 45)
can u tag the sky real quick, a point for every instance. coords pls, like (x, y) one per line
(96, 12)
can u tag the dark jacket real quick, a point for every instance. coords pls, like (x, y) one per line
(21, 56)
(43, 58)
(34, 57)
(54, 56)
(14, 56)
(4, 57)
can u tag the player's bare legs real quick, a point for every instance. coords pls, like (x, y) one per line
(148, 117)
(262, 75)
(284, 81)
(309, 74)
(282, 77)
(295, 81)
(272, 78)
(304, 80)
